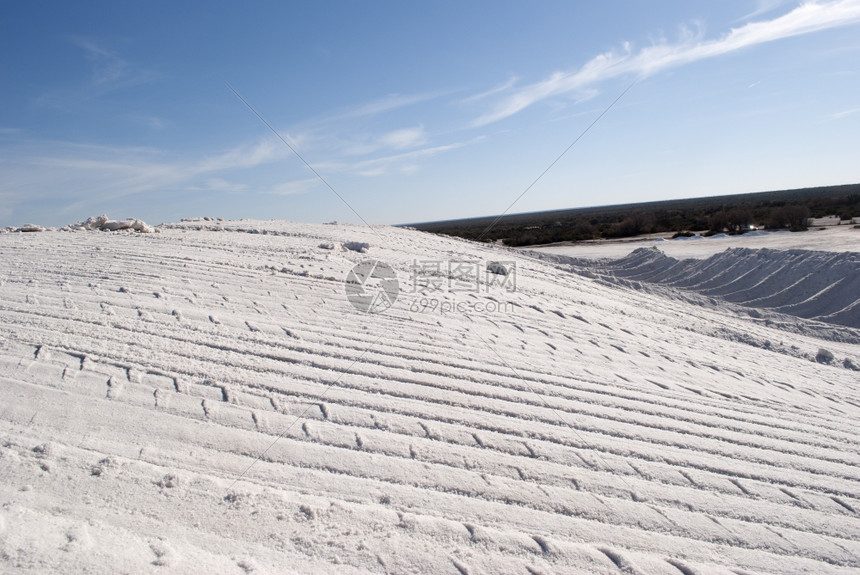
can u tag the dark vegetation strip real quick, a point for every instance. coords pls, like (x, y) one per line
(785, 209)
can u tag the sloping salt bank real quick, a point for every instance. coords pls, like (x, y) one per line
(824, 286)
(843, 238)
(206, 399)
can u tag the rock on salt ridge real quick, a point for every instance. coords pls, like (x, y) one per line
(31, 228)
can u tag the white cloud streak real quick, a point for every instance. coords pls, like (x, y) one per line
(86, 174)
(806, 18)
(222, 185)
(405, 138)
(382, 165)
(265, 151)
(403, 162)
(762, 7)
(844, 114)
(363, 144)
(109, 72)
(293, 187)
(385, 104)
(493, 91)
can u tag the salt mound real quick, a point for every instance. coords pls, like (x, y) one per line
(816, 285)
(105, 224)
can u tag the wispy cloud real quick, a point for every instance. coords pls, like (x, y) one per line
(360, 143)
(222, 185)
(265, 151)
(493, 91)
(152, 122)
(806, 18)
(293, 187)
(844, 113)
(365, 139)
(108, 72)
(405, 138)
(76, 177)
(385, 104)
(762, 7)
(403, 162)
(75, 174)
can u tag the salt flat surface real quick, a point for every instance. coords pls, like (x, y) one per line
(834, 238)
(205, 399)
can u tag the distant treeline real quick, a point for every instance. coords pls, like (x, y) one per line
(786, 209)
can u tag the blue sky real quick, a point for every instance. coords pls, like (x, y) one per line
(417, 111)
